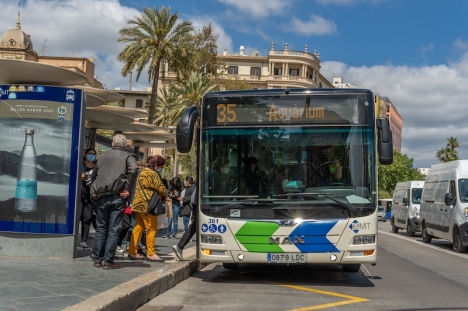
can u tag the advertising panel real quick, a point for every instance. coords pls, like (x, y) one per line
(40, 130)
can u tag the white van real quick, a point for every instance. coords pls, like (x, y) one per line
(405, 206)
(444, 204)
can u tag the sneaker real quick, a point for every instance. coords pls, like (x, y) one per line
(169, 237)
(178, 252)
(119, 250)
(173, 236)
(84, 246)
(97, 264)
(125, 254)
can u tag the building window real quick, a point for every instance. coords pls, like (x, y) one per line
(139, 103)
(12, 43)
(278, 71)
(255, 71)
(294, 72)
(233, 70)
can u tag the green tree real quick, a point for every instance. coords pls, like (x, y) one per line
(400, 170)
(153, 38)
(449, 153)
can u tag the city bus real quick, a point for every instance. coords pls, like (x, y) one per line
(286, 176)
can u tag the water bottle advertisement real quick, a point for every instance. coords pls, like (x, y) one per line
(40, 130)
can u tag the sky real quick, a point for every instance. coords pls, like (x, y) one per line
(415, 52)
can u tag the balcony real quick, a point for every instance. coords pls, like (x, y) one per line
(294, 53)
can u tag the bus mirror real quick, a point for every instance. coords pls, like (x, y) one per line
(385, 143)
(185, 129)
(449, 199)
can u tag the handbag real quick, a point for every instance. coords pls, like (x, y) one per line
(156, 207)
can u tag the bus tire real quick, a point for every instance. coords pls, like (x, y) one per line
(231, 266)
(409, 230)
(394, 228)
(426, 237)
(457, 242)
(351, 267)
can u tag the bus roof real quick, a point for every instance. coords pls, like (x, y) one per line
(292, 91)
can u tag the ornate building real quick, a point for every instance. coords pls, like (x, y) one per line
(16, 44)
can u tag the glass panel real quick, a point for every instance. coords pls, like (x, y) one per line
(463, 189)
(416, 195)
(281, 172)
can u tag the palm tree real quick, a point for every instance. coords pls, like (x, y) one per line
(449, 153)
(190, 93)
(154, 38)
(452, 142)
(167, 100)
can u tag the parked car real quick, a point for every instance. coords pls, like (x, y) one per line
(381, 215)
(444, 204)
(405, 206)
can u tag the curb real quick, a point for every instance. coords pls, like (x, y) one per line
(135, 293)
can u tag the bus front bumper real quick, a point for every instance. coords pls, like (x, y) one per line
(344, 257)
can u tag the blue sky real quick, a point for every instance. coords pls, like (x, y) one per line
(415, 52)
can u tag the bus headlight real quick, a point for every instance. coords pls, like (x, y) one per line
(211, 239)
(417, 215)
(364, 239)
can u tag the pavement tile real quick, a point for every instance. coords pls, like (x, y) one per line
(55, 284)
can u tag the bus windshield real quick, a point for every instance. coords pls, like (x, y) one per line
(288, 172)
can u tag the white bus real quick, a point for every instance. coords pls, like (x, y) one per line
(287, 176)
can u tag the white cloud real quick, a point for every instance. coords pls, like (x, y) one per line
(260, 8)
(431, 100)
(317, 25)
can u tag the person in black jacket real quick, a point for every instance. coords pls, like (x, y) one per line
(87, 216)
(190, 199)
(113, 179)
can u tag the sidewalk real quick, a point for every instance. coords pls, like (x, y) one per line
(74, 284)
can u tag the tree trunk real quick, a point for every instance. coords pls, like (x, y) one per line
(153, 99)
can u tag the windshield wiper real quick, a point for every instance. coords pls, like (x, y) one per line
(342, 204)
(246, 203)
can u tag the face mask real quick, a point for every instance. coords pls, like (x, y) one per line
(91, 157)
(226, 170)
(159, 170)
(185, 184)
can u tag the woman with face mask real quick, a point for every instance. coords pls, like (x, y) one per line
(149, 181)
(87, 216)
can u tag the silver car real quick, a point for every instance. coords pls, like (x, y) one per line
(381, 214)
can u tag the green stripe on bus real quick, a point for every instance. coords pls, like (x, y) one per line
(255, 237)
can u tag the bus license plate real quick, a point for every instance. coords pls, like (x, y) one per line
(286, 258)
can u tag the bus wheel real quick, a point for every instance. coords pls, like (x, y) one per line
(351, 268)
(426, 237)
(409, 230)
(457, 243)
(231, 266)
(394, 228)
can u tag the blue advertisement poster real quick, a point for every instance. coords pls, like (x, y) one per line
(40, 130)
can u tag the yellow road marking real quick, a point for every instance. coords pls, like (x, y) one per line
(350, 299)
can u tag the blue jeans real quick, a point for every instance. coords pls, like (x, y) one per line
(186, 220)
(109, 215)
(173, 221)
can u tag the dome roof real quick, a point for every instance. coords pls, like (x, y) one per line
(16, 38)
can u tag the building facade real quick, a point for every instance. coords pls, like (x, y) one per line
(16, 44)
(282, 68)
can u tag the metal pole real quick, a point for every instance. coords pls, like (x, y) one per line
(175, 162)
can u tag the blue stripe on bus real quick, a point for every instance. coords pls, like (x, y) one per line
(315, 236)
